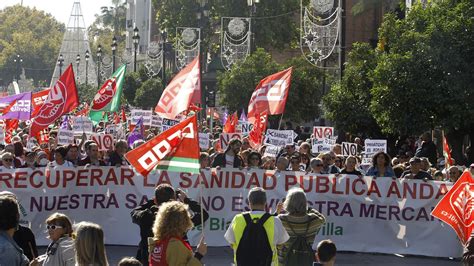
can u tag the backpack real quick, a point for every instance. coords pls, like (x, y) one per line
(254, 247)
(299, 252)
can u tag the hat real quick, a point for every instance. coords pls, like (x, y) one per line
(415, 160)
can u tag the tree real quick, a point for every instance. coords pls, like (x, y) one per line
(236, 86)
(114, 17)
(86, 92)
(33, 35)
(149, 93)
(347, 103)
(132, 83)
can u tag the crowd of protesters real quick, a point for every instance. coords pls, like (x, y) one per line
(165, 220)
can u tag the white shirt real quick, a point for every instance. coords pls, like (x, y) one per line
(229, 161)
(280, 235)
(65, 164)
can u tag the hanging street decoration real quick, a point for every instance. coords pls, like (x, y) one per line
(154, 60)
(188, 42)
(235, 40)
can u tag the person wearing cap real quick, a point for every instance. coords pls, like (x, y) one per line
(42, 159)
(415, 171)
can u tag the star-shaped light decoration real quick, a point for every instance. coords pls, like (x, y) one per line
(228, 52)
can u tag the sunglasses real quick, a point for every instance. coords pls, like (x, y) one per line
(8, 160)
(53, 227)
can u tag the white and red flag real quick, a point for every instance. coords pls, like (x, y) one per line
(37, 100)
(447, 152)
(62, 99)
(176, 149)
(270, 95)
(259, 127)
(181, 91)
(231, 123)
(456, 208)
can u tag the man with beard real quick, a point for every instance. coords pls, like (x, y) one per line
(230, 158)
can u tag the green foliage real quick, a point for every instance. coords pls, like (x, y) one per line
(32, 34)
(361, 6)
(86, 92)
(149, 93)
(236, 86)
(130, 86)
(347, 103)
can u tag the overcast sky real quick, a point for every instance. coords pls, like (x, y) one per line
(61, 9)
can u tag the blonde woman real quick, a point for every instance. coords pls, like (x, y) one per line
(168, 247)
(61, 250)
(90, 249)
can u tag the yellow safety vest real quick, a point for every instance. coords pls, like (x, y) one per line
(239, 226)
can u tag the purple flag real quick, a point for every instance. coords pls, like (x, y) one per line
(243, 117)
(16, 106)
(137, 133)
(224, 117)
(65, 123)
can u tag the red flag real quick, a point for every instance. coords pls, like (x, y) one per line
(215, 114)
(456, 207)
(259, 127)
(61, 100)
(176, 149)
(231, 123)
(270, 95)
(116, 118)
(194, 108)
(179, 93)
(10, 126)
(84, 110)
(124, 117)
(447, 152)
(43, 136)
(37, 100)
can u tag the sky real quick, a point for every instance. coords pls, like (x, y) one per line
(61, 9)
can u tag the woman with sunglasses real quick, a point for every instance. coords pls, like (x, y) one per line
(254, 160)
(61, 250)
(7, 161)
(316, 166)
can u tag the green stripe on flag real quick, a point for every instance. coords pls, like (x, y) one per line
(180, 164)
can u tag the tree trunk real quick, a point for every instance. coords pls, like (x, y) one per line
(455, 141)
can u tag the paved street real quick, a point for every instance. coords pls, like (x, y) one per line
(223, 256)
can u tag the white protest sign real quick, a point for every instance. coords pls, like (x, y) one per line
(279, 137)
(136, 114)
(349, 149)
(323, 132)
(105, 142)
(156, 121)
(82, 124)
(168, 123)
(372, 146)
(245, 127)
(204, 141)
(116, 130)
(271, 151)
(65, 137)
(322, 145)
(224, 139)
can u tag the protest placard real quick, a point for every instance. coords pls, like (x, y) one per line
(323, 132)
(271, 151)
(136, 114)
(2, 136)
(372, 146)
(81, 124)
(204, 141)
(168, 123)
(279, 137)
(245, 127)
(349, 149)
(104, 142)
(322, 145)
(156, 121)
(224, 139)
(65, 137)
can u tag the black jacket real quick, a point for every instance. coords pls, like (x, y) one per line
(428, 150)
(219, 160)
(144, 216)
(25, 238)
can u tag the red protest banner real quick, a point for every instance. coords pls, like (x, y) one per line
(456, 207)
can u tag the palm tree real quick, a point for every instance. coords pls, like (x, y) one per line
(114, 16)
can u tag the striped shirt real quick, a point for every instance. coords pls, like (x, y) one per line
(299, 225)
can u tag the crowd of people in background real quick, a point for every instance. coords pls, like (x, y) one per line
(165, 220)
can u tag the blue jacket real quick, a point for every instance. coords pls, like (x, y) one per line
(10, 252)
(374, 171)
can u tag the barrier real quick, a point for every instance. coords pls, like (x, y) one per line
(363, 214)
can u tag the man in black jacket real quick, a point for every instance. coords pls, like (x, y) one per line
(144, 215)
(230, 158)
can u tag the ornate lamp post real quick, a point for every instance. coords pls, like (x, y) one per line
(136, 41)
(87, 65)
(202, 14)
(252, 4)
(114, 49)
(78, 62)
(99, 60)
(60, 63)
(164, 35)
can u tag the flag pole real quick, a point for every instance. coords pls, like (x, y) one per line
(200, 201)
(281, 118)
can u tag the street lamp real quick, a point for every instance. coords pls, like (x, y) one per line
(201, 14)
(252, 4)
(87, 64)
(164, 35)
(99, 60)
(18, 60)
(60, 63)
(78, 61)
(114, 48)
(136, 41)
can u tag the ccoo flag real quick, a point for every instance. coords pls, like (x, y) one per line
(108, 97)
(270, 95)
(176, 149)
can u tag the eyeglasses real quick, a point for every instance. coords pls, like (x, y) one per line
(8, 160)
(53, 227)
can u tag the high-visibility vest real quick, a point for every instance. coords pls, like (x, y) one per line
(239, 225)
